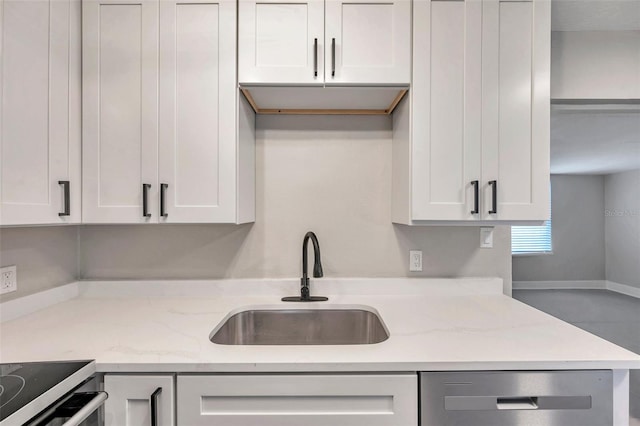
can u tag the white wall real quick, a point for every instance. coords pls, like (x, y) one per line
(577, 227)
(331, 175)
(46, 257)
(622, 227)
(595, 64)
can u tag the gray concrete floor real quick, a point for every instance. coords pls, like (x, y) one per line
(612, 316)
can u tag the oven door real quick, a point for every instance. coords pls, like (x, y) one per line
(82, 407)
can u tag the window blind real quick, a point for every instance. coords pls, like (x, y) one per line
(532, 239)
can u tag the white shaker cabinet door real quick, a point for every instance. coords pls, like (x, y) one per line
(368, 42)
(294, 400)
(197, 157)
(40, 112)
(515, 87)
(446, 96)
(120, 111)
(281, 42)
(132, 400)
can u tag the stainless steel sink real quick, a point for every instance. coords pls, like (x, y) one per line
(292, 326)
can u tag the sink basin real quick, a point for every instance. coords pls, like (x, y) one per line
(293, 326)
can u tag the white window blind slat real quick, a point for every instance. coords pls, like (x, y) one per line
(532, 239)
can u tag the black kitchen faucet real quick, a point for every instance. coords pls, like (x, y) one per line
(317, 271)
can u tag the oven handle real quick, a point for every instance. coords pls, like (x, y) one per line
(87, 410)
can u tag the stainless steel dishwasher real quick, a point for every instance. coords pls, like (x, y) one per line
(531, 398)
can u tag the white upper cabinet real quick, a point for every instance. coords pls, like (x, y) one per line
(167, 140)
(40, 112)
(197, 92)
(516, 109)
(447, 102)
(368, 42)
(472, 141)
(120, 111)
(281, 42)
(360, 42)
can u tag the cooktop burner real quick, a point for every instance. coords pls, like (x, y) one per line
(21, 383)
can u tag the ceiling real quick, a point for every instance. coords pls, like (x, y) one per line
(595, 15)
(594, 142)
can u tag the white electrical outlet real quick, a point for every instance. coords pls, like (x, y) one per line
(8, 279)
(415, 260)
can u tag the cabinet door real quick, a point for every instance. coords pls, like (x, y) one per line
(446, 96)
(288, 400)
(120, 110)
(197, 167)
(132, 399)
(368, 42)
(277, 41)
(515, 89)
(40, 111)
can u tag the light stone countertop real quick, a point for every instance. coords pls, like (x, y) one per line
(434, 324)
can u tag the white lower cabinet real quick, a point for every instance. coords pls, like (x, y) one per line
(135, 399)
(298, 399)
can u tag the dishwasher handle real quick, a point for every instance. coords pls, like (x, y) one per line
(517, 403)
(512, 403)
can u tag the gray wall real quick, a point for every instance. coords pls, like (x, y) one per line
(46, 257)
(331, 175)
(622, 227)
(578, 233)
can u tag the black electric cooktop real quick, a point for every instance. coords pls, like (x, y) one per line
(22, 383)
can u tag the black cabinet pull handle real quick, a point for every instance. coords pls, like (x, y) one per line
(67, 200)
(333, 57)
(145, 201)
(475, 185)
(163, 190)
(494, 196)
(154, 406)
(315, 57)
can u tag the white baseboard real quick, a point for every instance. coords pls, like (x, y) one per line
(624, 289)
(578, 285)
(34, 302)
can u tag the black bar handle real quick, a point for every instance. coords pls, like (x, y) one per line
(476, 208)
(145, 201)
(163, 190)
(67, 199)
(494, 196)
(315, 57)
(154, 406)
(333, 57)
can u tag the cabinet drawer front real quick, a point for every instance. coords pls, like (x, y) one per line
(563, 398)
(311, 400)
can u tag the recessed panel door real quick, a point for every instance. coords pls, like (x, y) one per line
(515, 89)
(446, 95)
(120, 111)
(281, 42)
(197, 111)
(368, 42)
(40, 115)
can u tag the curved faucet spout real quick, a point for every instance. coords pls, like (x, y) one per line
(317, 262)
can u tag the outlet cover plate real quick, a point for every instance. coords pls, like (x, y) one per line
(8, 279)
(415, 260)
